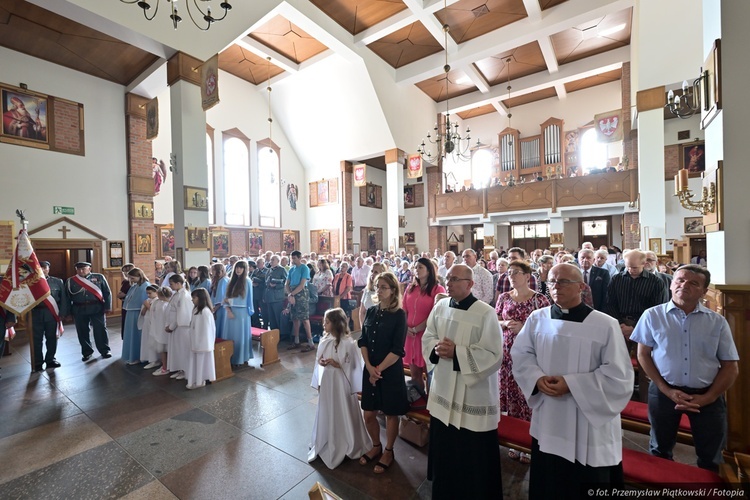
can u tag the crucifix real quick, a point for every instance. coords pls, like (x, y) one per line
(64, 230)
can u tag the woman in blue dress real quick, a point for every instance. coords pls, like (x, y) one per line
(204, 280)
(218, 289)
(238, 304)
(136, 296)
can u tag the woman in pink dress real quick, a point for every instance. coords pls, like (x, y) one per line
(419, 299)
(513, 308)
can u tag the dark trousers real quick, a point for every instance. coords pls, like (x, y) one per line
(84, 318)
(45, 328)
(258, 318)
(272, 314)
(709, 428)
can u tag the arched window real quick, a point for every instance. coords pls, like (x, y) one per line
(481, 167)
(593, 152)
(236, 182)
(269, 187)
(210, 167)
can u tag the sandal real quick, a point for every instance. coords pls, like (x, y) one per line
(366, 459)
(307, 348)
(380, 467)
(525, 458)
(514, 455)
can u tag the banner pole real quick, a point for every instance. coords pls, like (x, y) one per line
(30, 331)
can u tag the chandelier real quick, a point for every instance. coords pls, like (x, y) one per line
(449, 142)
(689, 102)
(175, 16)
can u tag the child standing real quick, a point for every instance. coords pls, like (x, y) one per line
(201, 365)
(339, 429)
(178, 327)
(158, 324)
(148, 343)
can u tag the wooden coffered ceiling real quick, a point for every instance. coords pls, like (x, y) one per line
(555, 46)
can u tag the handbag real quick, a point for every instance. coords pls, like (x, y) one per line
(415, 432)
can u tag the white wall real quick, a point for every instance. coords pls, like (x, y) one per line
(35, 180)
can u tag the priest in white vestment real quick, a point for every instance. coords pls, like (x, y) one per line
(462, 341)
(572, 365)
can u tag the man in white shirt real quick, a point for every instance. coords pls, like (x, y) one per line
(360, 273)
(482, 289)
(600, 260)
(574, 369)
(448, 259)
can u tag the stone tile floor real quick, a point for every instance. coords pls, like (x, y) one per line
(106, 430)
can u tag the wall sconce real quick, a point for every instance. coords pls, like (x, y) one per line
(350, 225)
(707, 203)
(689, 102)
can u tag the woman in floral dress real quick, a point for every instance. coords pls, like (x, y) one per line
(513, 308)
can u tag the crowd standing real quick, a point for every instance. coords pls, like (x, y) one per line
(480, 338)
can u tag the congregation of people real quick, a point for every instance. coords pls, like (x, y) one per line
(546, 337)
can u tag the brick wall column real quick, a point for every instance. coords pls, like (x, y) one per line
(140, 184)
(347, 184)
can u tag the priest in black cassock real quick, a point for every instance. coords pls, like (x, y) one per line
(572, 365)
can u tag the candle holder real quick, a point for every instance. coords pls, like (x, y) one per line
(707, 203)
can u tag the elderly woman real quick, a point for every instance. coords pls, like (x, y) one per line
(513, 308)
(492, 263)
(545, 263)
(404, 274)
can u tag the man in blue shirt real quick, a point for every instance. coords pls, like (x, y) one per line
(296, 289)
(688, 352)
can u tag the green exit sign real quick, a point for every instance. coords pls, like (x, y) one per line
(64, 210)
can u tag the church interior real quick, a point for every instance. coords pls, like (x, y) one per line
(320, 126)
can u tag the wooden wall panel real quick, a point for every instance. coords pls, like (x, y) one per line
(461, 203)
(595, 189)
(520, 197)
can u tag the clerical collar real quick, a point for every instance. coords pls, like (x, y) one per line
(464, 304)
(576, 314)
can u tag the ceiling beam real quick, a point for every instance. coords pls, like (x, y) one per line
(576, 70)
(548, 52)
(476, 77)
(533, 9)
(500, 108)
(433, 25)
(385, 28)
(508, 37)
(264, 51)
(560, 89)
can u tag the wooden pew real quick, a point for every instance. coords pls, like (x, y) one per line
(635, 418)
(269, 345)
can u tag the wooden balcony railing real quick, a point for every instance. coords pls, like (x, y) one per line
(614, 187)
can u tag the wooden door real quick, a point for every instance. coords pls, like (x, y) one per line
(59, 260)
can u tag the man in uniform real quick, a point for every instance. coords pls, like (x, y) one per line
(46, 320)
(462, 340)
(90, 300)
(573, 368)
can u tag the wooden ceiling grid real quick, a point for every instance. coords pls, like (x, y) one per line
(530, 97)
(288, 40)
(478, 111)
(593, 81)
(34, 31)
(469, 19)
(406, 45)
(246, 65)
(582, 41)
(356, 16)
(546, 4)
(525, 60)
(435, 87)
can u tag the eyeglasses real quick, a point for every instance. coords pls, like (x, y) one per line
(555, 283)
(386, 287)
(515, 273)
(454, 279)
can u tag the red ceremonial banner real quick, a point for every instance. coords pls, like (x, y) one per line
(360, 175)
(415, 166)
(608, 126)
(24, 285)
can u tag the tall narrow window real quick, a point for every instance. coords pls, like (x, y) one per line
(210, 167)
(269, 186)
(236, 182)
(481, 167)
(593, 152)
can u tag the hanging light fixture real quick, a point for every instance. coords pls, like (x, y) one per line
(270, 118)
(175, 15)
(449, 142)
(510, 115)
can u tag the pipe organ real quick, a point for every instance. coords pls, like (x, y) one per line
(530, 157)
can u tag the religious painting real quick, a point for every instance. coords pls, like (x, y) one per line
(143, 210)
(196, 198)
(670, 244)
(152, 119)
(324, 242)
(693, 157)
(711, 87)
(489, 241)
(408, 196)
(254, 242)
(292, 194)
(196, 238)
(324, 192)
(410, 238)
(372, 241)
(693, 225)
(654, 244)
(167, 242)
(116, 254)
(219, 243)
(371, 196)
(556, 239)
(289, 241)
(142, 244)
(24, 117)
(159, 174)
